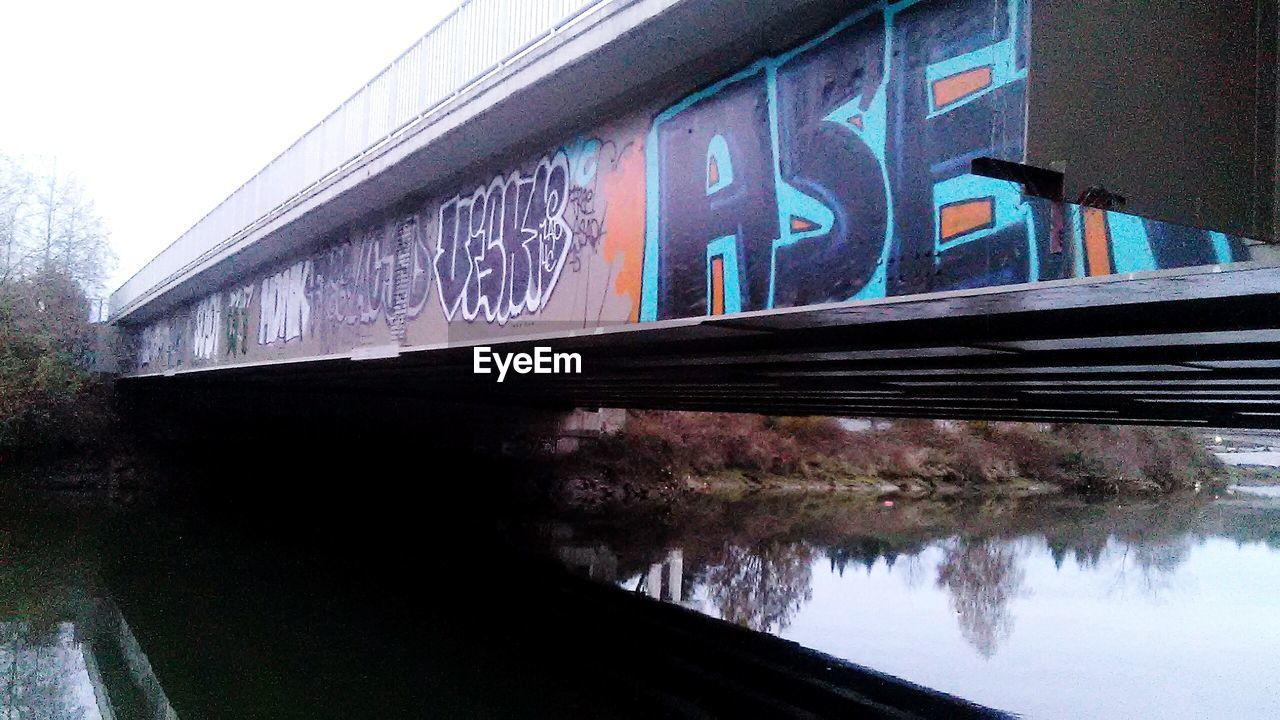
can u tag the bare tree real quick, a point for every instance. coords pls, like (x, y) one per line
(15, 198)
(56, 257)
(49, 225)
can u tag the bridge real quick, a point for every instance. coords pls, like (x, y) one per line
(763, 206)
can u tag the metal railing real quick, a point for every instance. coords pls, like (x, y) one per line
(476, 39)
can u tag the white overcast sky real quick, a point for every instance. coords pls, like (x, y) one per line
(163, 108)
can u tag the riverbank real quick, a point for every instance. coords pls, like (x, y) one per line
(660, 456)
(1261, 475)
(119, 476)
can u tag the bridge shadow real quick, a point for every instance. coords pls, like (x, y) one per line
(316, 571)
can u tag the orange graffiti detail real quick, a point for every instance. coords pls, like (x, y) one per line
(717, 286)
(624, 191)
(1097, 241)
(965, 216)
(799, 224)
(960, 86)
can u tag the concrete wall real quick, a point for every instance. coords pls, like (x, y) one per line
(832, 171)
(1168, 102)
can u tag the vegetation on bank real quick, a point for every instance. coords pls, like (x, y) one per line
(48, 398)
(53, 253)
(1253, 475)
(666, 453)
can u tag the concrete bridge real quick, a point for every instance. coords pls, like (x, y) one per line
(764, 206)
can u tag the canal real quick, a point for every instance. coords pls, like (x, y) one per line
(1047, 608)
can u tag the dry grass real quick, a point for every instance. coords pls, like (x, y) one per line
(1085, 458)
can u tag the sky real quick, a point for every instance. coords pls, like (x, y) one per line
(162, 109)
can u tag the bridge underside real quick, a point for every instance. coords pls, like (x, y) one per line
(1185, 347)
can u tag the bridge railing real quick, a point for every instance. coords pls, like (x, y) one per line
(478, 38)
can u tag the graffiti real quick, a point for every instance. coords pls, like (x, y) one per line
(285, 310)
(806, 177)
(236, 318)
(501, 249)
(840, 171)
(587, 229)
(416, 260)
(353, 282)
(586, 214)
(1106, 242)
(623, 188)
(159, 346)
(205, 326)
(836, 171)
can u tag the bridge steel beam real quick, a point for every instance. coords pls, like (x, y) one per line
(1169, 348)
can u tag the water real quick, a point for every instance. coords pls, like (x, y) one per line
(121, 613)
(1047, 608)
(1262, 458)
(1268, 491)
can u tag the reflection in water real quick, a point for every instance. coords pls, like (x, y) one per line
(1047, 609)
(48, 675)
(48, 660)
(862, 551)
(1076, 593)
(761, 587)
(1156, 562)
(982, 576)
(57, 672)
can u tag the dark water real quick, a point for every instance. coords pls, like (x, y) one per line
(162, 613)
(1043, 608)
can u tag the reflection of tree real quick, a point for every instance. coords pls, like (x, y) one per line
(1157, 561)
(1162, 558)
(982, 577)
(913, 574)
(1146, 539)
(761, 587)
(865, 551)
(38, 674)
(1086, 548)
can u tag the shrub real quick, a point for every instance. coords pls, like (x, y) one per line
(1085, 458)
(46, 394)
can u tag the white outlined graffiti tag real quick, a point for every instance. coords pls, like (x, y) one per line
(285, 311)
(207, 325)
(500, 250)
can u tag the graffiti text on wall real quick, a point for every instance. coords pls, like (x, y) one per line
(285, 309)
(812, 177)
(159, 346)
(840, 171)
(500, 250)
(236, 320)
(352, 282)
(206, 326)
(837, 171)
